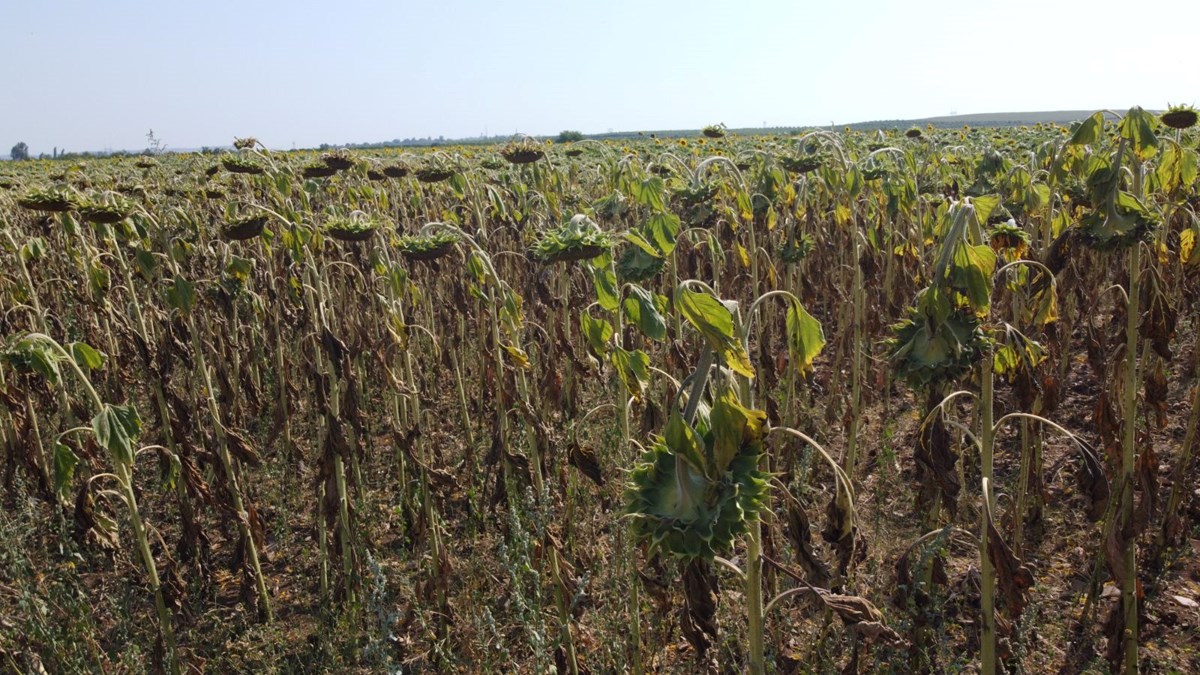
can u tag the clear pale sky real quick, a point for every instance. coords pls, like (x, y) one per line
(95, 74)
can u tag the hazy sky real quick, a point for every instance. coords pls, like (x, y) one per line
(95, 74)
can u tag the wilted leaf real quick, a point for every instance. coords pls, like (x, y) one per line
(633, 367)
(641, 311)
(699, 618)
(1017, 354)
(146, 262)
(682, 440)
(984, 206)
(642, 243)
(1089, 131)
(116, 428)
(1124, 223)
(732, 426)
(1137, 127)
(517, 356)
(648, 192)
(596, 331)
(1042, 307)
(181, 295)
(585, 460)
(805, 337)
(715, 323)
(241, 449)
(742, 254)
(971, 274)
(1177, 169)
(87, 357)
(34, 249)
(605, 281)
(34, 355)
(65, 461)
(99, 279)
(799, 532)
(476, 268)
(239, 268)
(91, 527)
(661, 229)
(1013, 579)
(510, 311)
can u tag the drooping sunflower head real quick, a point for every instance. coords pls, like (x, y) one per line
(579, 239)
(697, 488)
(1180, 117)
(938, 342)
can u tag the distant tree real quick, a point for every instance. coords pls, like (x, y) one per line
(569, 137)
(20, 151)
(154, 144)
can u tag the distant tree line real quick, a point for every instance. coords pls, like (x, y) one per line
(429, 141)
(20, 152)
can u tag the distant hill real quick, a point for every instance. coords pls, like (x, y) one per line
(1011, 119)
(1008, 119)
(1000, 119)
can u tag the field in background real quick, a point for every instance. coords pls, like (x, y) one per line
(720, 403)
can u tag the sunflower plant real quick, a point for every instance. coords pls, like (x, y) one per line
(579, 239)
(427, 246)
(106, 209)
(698, 485)
(355, 227)
(49, 200)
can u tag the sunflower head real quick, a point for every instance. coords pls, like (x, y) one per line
(1180, 117)
(697, 487)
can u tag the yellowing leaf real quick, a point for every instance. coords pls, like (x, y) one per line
(805, 337)
(597, 332)
(984, 205)
(732, 427)
(745, 207)
(510, 311)
(715, 323)
(633, 367)
(517, 356)
(1164, 254)
(971, 274)
(742, 254)
(1187, 247)
(842, 214)
(1044, 308)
